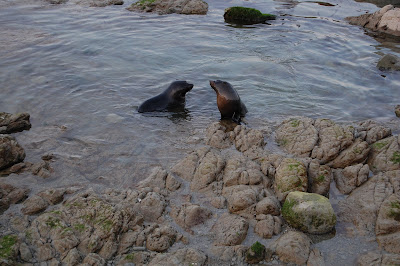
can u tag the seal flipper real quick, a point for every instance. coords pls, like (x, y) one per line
(236, 118)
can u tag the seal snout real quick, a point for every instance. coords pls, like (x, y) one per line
(213, 85)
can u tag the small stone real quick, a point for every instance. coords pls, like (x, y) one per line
(255, 253)
(397, 110)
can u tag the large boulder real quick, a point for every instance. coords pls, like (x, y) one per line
(187, 7)
(291, 175)
(309, 212)
(387, 20)
(10, 151)
(11, 123)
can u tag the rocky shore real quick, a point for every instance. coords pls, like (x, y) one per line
(218, 196)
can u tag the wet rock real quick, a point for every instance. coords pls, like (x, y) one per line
(161, 239)
(10, 151)
(374, 258)
(384, 20)
(315, 258)
(34, 205)
(268, 226)
(332, 140)
(11, 123)
(356, 153)
(388, 224)
(246, 16)
(241, 197)
(53, 196)
(309, 212)
(255, 253)
(230, 230)
(385, 155)
(189, 215)
(291, 175)
(152, 206)
(94, 259)
(217, 136)
(191, 7)
(292, 247)
(319, 178)
(362, 205)
(397, 110)
(241, 171)
(351, 177)
(297, 136)
(371, 131)
(268, 205)
(184, 256)
(389, 62)
(11, 195)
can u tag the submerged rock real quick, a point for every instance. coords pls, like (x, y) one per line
(186, 7)
(11, 123)
(245, 15)
(10, 151)
(309, 212)
(389, 61)
(387, 20)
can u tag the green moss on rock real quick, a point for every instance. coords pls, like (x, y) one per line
(7, 246)
(245, 15)
(396, 157)
(255, 253)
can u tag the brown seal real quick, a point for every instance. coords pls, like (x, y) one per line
(229, 104)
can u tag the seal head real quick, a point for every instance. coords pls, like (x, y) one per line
(172, 97)
(228, 101)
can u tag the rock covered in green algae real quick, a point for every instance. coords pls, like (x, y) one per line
(255, 253)
(291, 175)
(245, 15)
(309, 212)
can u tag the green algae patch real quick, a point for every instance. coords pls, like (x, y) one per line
(246, 15)
(396, 157)
(309, 212)
(379, 144)
(7, 244)
(144, 3)
(394, 211)
(255, 253)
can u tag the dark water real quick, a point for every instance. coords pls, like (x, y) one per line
(82, 72)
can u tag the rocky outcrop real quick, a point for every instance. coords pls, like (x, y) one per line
(10, 151)
(189, 215)
(11, 123)
(309, 212)
(319, 178)
(371, 131)
(389, 61)
(291, 175)
(186, 7)
(374, 258)
(351, 177)
(387, 20)
(355, 153)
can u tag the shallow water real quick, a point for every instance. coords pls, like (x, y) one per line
(82, 72)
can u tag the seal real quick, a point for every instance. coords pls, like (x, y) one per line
(228, 101)
(172, 97)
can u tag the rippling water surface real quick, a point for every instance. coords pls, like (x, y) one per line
(82, 72)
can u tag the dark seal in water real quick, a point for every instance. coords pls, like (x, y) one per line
(172, 97)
